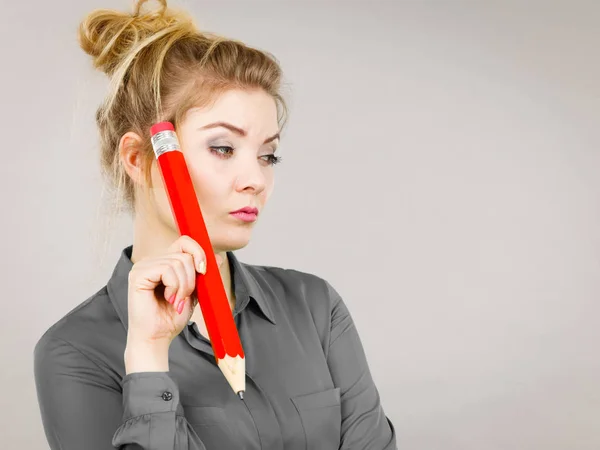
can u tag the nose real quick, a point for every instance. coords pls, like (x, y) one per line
(251, 178)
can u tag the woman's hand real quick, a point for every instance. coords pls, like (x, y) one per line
(161, 302)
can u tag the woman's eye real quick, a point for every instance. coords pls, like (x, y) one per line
(272, 159)
(222, 151)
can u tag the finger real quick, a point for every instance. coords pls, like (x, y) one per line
(181, 306)
(150, 274)
(186, 284)
(185, 244)
(173, 275)
(164, 273)
(187, 261)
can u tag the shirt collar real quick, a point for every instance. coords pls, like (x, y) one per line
(246, 284)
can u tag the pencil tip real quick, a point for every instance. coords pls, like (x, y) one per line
(241, 395)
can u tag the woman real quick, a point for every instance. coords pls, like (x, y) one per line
(132, 366)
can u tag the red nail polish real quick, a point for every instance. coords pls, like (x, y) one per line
(181, 305)
(172, 299)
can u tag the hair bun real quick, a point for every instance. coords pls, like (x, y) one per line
(108, 35)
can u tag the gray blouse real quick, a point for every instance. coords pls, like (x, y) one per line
(308, 384)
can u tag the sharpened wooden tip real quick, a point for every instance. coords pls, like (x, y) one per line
(234, 370)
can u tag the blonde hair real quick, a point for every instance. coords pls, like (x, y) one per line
(160, 65)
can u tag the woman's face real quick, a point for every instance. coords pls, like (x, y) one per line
(229, 149)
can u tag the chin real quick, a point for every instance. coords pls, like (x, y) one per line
(235, 240)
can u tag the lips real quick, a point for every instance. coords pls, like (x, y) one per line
(247, 214)
(247, 210)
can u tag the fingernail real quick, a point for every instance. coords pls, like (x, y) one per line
(181, 305)
(172, 299)
(202, 267)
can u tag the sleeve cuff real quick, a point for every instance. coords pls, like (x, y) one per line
(148, 393)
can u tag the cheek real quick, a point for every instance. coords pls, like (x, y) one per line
(210, 185)
(269, 185)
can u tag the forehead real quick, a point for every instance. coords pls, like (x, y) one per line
(253, 110)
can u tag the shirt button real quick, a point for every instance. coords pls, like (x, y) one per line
(167, 396)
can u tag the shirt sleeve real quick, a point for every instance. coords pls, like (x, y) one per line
(83, 407)
(364, 423)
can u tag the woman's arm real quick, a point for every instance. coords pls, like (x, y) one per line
(82, 407)
(364, 423)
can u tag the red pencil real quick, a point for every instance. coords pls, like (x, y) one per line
(212, 298)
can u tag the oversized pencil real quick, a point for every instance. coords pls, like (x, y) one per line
(212, 297)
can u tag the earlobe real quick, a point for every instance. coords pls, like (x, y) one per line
(130, 148)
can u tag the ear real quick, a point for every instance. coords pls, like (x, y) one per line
(130, 153)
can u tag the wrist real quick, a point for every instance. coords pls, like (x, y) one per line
(146, 356)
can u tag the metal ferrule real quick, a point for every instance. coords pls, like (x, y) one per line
(165, 141)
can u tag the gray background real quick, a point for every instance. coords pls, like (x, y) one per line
(440, 169)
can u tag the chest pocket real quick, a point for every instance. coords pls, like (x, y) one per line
(321, 418)
(211, 425)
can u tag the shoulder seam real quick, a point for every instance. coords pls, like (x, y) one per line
(82, 354)
(99, 293)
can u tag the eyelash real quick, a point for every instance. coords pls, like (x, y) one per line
(272, 159)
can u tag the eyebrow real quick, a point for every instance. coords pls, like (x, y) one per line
(236, 130)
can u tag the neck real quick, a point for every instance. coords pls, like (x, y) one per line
(152, 238)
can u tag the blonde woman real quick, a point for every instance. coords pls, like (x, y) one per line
(132, 367)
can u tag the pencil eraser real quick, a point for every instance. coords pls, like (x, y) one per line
(161, 126)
